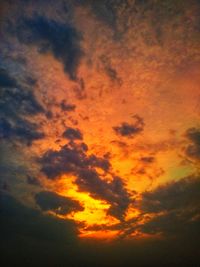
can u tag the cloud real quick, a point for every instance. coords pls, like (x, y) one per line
(193, 150)
(33, 180)
(104, 10)
(62, 40)
(147, 159)
(72, 158)
(15, 97)
(6, 80)
(176, 209)
(110, 70)
(114, 192)
(30, 238)
(67, 107)
(26, 132)
(130, 130)
(72, 134)
(50, 201)
(17, 105)
(182, 194)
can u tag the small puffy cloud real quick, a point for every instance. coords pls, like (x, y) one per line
(130, 129)
(67, 107)
(50, 201)
(193, 149)
(72, 134)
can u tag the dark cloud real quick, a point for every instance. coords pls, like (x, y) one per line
(109, 70)
(121, 15)
(6, 80)
(33, 180)
(50, 201)
(79, 89)
(104, 10)
(67, 159)
(114, 192)
(49, 114)
(72, 159)
(62, 40)
(182, 194)
(26, 132)
(176, 207)
(72, 134)
(130, 130)
(172, 211)
(15, 97)
(29, 238)
(17, 104)
(67, 107)
(193, 150)
(147, 159)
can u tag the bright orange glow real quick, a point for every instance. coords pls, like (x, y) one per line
(151, 81)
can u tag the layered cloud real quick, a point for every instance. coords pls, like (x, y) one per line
(72, 159)
(50, 201)
(18, 103)
(177, 208)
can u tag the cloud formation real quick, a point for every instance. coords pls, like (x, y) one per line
(50, 201)
(26, 235)
(130, 130)
(62, 40)
(176, 210)
(183, 194)
(72, 159)
(17, 105)
(193, 150)
(72, 134)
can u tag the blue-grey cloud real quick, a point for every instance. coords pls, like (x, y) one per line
(50, 201)
(72, 134)
(130, 129)
(17, 104)
(62, 40)
(182, 194)
(193, 149)
(72, 158)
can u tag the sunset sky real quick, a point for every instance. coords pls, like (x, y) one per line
(100, 133)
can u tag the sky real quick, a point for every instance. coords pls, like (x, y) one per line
(100, 133)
